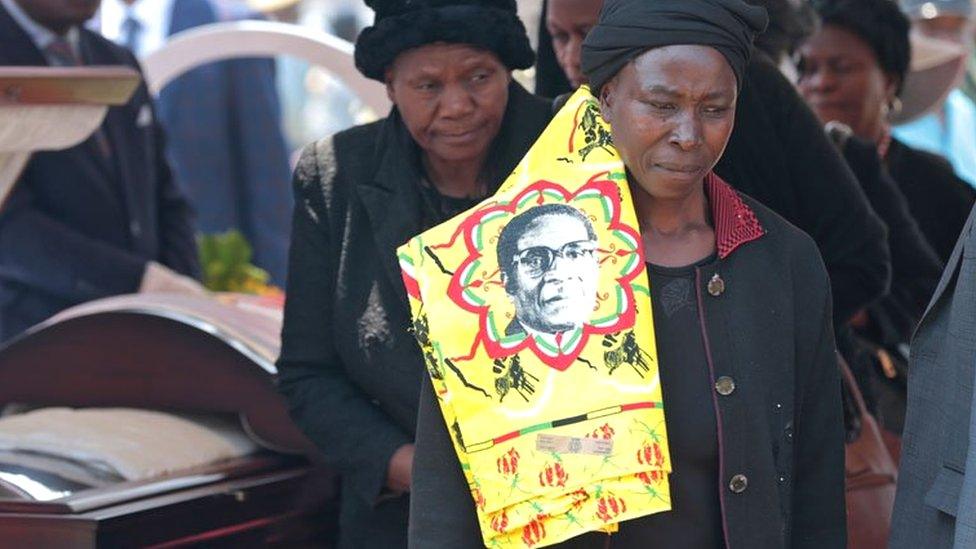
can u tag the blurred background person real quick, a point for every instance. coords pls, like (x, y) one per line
(850, 71)
(949, 130)
(101, 218)
(223, 123)
(878, 351)
(349, 369)
(778, 154)
(790, 22)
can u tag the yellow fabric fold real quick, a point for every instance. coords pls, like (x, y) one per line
(533, 313)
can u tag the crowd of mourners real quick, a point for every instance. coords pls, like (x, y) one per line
(780, 110)
(808, 164)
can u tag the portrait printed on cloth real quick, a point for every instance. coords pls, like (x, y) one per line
(533, 315)
(547, 258)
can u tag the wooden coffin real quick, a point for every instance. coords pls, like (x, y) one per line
(176, 354)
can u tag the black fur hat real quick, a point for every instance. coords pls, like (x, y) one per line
(401, 25)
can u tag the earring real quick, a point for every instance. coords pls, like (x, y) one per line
(896, 105)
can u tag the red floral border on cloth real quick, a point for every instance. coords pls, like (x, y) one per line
(624, 251)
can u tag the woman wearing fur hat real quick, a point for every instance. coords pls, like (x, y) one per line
(742, 324)
(349, 369)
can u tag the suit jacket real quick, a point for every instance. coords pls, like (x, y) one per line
(936, 502)
(349, 368)
(226, 143)
(77, 227)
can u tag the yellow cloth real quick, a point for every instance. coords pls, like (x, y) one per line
(557, 433)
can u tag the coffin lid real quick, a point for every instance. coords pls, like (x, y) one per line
(159, 351)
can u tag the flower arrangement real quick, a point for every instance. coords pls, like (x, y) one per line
(226, 262)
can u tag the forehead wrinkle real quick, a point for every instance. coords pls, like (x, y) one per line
(708, 94)
(684, 88)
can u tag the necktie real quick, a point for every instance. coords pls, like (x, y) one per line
(61, 54)
(131, 33)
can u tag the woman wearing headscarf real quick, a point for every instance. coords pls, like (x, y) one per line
(777, 154)
(741, 307)
(851, 71)
(348, 368)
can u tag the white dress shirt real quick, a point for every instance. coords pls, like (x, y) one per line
(39, 34)
(154, 16)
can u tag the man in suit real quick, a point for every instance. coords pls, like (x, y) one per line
(936, 502)
(98, 219)
(223, 121)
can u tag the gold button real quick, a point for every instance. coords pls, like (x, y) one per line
(716, 286)
(725, 386)
(738, 484)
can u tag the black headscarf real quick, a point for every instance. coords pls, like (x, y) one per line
(628, 28)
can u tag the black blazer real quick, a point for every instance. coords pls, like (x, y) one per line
(78, 227)
(349, 368)
(937, 198)
(914, 264)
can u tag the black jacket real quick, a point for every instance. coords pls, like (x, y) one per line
(915, 267)
(349, 369)
(78, 227)
(938, 199)
(770, 331)
(916, 270)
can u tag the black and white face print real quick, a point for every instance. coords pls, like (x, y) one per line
(548, 258)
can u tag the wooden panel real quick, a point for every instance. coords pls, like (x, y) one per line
(67, 85)
(283, 507)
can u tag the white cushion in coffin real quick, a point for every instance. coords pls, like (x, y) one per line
(137, 444)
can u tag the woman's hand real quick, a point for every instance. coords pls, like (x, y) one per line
(398, 474)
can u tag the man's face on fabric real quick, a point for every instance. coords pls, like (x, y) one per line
(60, 15)
(568, 22)
(671, 113)
(554, 280)
(452, 98)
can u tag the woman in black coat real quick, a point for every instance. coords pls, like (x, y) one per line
(742, 309)
(851, 71)
(349, 369)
